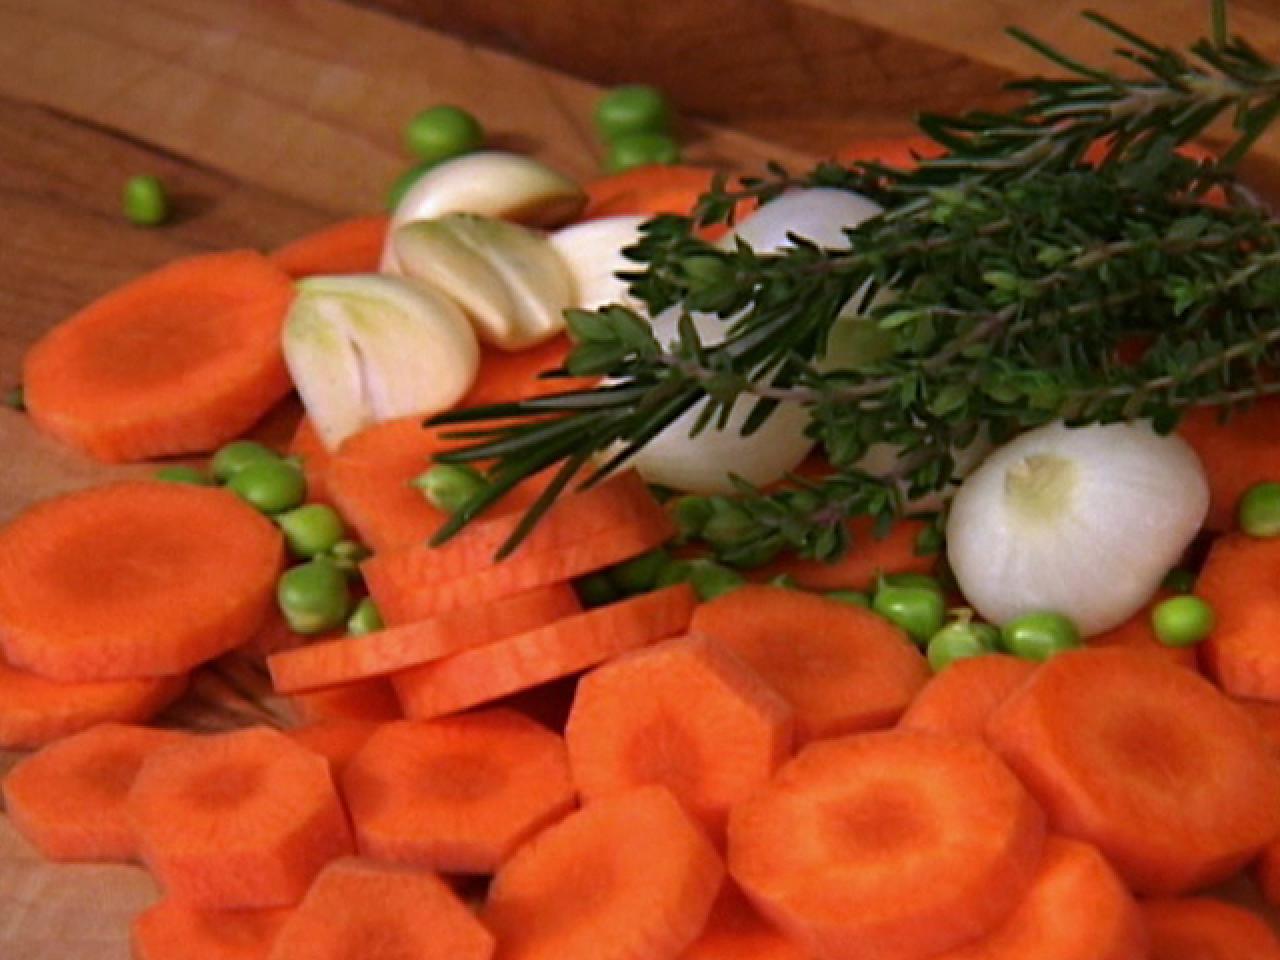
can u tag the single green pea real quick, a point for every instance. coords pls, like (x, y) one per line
(1182, 621)
(1260, 510)
(640, 150)
(311, 529)
(237, 455)
(16, 399)
(920, 611)
(347, 555)
(639, 575)
(957, 641)
(854, 598)
(729, 523)
(785, 581)
(1179, 580)
(690, 515)
(710, 579)
(365, 618)
(146, 202)
(442, 132)
(1039, 636)
(449, 486)
(271, 486)
(635, 108)
(404, 183)
(314, 597)
(179, 474)
(596, 590)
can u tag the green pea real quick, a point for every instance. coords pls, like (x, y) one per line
(691, 515)
(314, 597)
(365, 618)
(596, 590)
(957, 641)
(1179, 580)
(640, 574)
(1260, 510)
(146, 203)
(728, 523)
(312, 529)
(635, 108)
(641, 150)
(16, 399)
(347, 555)
(404, 183)
(271, 486)
(1182, 621)
(442, 132)
(920, 611)
(188, 475)
(449, 486)
(710, 579)
(854, 598)
(914, 580)
(1039, 636)
(235, 456)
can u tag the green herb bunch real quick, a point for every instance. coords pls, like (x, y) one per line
(1015, 280)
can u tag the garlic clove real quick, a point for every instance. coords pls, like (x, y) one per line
(592, 253)
(366, 348)
(508, 278)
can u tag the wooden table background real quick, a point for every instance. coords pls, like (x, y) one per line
(272, 117)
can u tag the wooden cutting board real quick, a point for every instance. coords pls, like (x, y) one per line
(271, 117)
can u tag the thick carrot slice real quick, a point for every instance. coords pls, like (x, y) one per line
(338, 741)
(384, 652)
(178, 361)
(902, 152)
(1237, 454)
(1199, 928)
(307, 447)
(506, 377)
(172, 930)
(68, 800)
(569, 646)
(238, 820)
(962, 697)
(374, 700)
(843, 669)
(735, 931)
(1148, 761)
(666, 715)
(459, 794)
(624, 878)
(350, 246)
(866, 560)
(895, 845)
(1137, 633)
(361, 911)
(1241, 581)
(1075, 909)
(133, 580)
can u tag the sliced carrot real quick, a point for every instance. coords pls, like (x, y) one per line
(735, 931)
(68, 800)
(518, 663)
(1138, 633)
(1266, 871)
(274, 635)
(350, 246)
(506, 377)
(624, 878)
(667, 715)
(384, 652)
(307, 447)
(366, 911)
(1199, 928)
(1146, 760)
(238, 820)
(647, 191)
(172, 930)
(895, 845)
(903, 152)
(178, 361)
(338, 741)
(458, 794)
(133, 580)
(1241, 581)
(865, 561)
(1236, 454)
(374, 700)
(843, 669)
(1075, 909)
(1267, 716)
(962, 697)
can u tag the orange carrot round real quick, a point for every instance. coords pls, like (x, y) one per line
(178, 361)
(1239, 581)
(338, 741)
(136, 579)
(349, 246)
(1236, 454)
(962, 697)
(647, 191)
(307, 447)
(1199, 928)
(1267, 716)
(735, 931)
(172, 930)
(866, 560)
(372, 700)
(506, 376)
(887, 846)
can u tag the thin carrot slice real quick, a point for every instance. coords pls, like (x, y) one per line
(647, 191)
(238, 820)
(274, 635)
(735, 931)
(903, 152)
(1146, 760)
(843, 669)
(172, 930)
(1075, 909)
(1236, 454)
(459, 794)
(178, 361)
(895, 845)
(962, 697)
(1241, 581)
(1199, 928)
(1138, 633)
(374, 700)
(320, 665)
(628, 877)
(133, 580)
(867, 559)
(350, 246)
(338, 741)
(569, 646)
(1267, 716)
(307, 447)
(68, 800)
(1266, 871)
(685, 714)
(506, 377)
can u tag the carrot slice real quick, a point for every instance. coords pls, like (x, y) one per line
(1243, 451)
(384, 652)
(1148, 761)
(338, 741)
(68, 800)
(665, 715)
(865, 561)
(374, 700)
(349, 246)
(238, 820)
(506, 377)
(1267, 717)
(647, 191)
(1137, 633)
(133, 580)
(569, 646)
(1075, 909)
(895, 845)
(1239, 580)
(1199, 928)
(178, 361)
(172, 930)
(735, 931)
(903, 152)
(623, 878)
(843, 669)
(307, 447)
(1266, 872)
(961, 698)
(459, 794)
